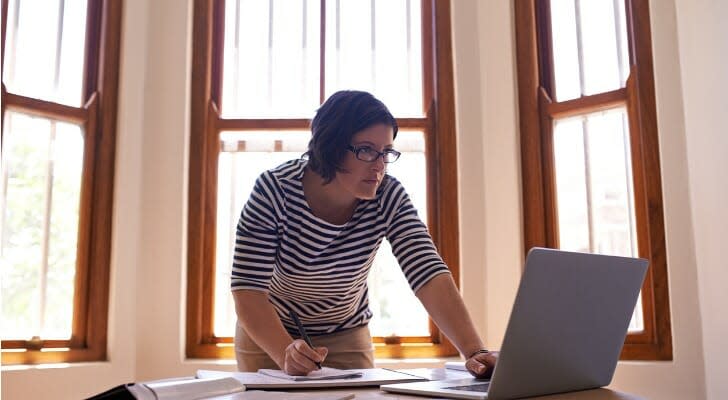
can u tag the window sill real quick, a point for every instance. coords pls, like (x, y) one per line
(14, 368)
(407, 363)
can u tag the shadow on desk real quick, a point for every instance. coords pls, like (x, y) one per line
(595, 394)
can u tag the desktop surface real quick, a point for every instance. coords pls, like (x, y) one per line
(371, 393)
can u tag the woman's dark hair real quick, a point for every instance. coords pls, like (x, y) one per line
(341, 116)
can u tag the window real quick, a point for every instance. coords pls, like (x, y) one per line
(590, 154)
(260, 70)
(60, 68)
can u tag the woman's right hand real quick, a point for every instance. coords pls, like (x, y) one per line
(300, 359)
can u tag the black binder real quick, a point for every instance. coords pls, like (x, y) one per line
(120, 392)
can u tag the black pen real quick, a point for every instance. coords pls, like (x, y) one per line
(302, 332)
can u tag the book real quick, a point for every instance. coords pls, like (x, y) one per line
(177, 389)
(190, 388)
(321, 374)
(369, 377)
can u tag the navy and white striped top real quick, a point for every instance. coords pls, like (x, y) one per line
(320, 269)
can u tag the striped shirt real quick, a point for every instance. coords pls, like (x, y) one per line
(319, 269)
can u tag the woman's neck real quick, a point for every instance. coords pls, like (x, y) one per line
(329, 201)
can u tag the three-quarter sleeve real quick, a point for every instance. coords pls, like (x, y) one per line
(256, 239)
(411, 242)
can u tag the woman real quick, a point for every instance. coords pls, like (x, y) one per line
(306, 240)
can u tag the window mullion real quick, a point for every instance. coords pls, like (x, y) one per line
(588, 184)
(13, 35)
(579, 46)
(236, 60)
(373, 40)
(322, 53)
(269, 70)
(5, 177)
(45, 241)
(631, 192)
(59, 42)
(618, 35)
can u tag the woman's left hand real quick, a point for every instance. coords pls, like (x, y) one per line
(481, 365)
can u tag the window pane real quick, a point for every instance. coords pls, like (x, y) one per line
(41, 172)
(271, 58)
(564, 44)
(589, 41)
(396, 309)
(594, 186)
(44, 50)
(376, 46)
(243, 157)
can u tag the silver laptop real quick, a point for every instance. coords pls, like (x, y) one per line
(566, 329)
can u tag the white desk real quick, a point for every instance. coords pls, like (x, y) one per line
(440, 373)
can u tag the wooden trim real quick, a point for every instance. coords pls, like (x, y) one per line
(295, 124)
(203, 177)
(210, 213)
(215, 348)
(389, 340)
(48, 355)
(415, 350)
(202, 37)
(44, 108)
(549, 176)
(428, 55)
(91, 297)
(217, 63)
(587, 104)
(655, 249)
(103, 195)
(263, 124)
(537, 112)
(534, 213)
(545, 49)
(94, 15)
(447, 238)
(638, 178)
(85, 220)
(31, 344)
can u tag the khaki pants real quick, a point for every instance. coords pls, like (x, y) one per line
(351, 348)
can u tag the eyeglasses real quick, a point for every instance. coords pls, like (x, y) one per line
(368, 154)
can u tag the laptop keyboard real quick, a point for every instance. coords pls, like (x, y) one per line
(480, 387)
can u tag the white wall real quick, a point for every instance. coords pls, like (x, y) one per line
(148, 260)
(489, 155)
(703, 42)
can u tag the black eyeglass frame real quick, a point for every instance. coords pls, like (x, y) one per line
(361, 150)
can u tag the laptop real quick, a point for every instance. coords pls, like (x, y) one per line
(565, 333)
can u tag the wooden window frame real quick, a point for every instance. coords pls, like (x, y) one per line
(537, 112)
(98, 116)
(206, 123)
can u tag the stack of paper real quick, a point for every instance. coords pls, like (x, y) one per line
(326, 378)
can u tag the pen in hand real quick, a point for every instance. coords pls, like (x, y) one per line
(302, 332)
